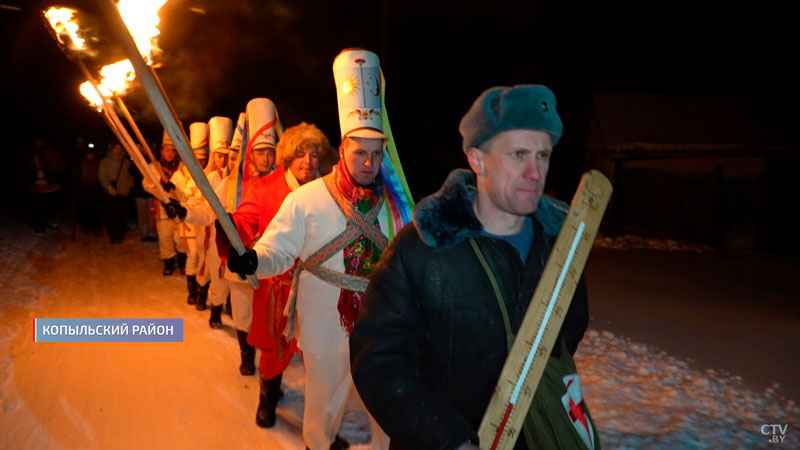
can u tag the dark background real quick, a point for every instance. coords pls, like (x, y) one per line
(437, 57)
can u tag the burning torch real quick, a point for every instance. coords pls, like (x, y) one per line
(168, 117)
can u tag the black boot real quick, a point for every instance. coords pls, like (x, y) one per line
(227, 309)
(338, 444)
(248, 366)
(191, 287)
(215, 321)
(268, 400)
(182, 263)
(169, 267)
(202, 297)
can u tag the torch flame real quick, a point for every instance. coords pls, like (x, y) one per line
(117, 77)
(141, 18)
(114, 79)
(87, 90)
(64, 22)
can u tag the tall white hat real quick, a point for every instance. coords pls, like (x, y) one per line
(220, 131)
(198, 138)
(262, 123)
(357, 75)
(236, 142)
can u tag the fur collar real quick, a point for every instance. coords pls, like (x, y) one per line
(446, 218)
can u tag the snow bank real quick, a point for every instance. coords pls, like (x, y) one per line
(641, 397)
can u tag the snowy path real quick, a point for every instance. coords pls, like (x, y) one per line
(123, 395)
(190, 394)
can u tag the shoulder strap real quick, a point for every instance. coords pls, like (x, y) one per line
(528, 424)
(499, 295)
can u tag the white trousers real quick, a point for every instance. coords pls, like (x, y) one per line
(220, 286)
(328, 387)
(169, 238)
(192, 248)
(241, 305)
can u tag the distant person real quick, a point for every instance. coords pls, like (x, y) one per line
(145, 225)
(89, 194)
(43, 173)
(430, 340)
(115, 178)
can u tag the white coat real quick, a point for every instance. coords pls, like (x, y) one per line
(308, 219)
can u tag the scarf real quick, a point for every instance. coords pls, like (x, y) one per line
(361, 255)
(169, 167)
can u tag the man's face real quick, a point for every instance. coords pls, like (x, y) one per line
(512, 167)
(263, 159)
(305, 164)
(116, 149)
(233, 156)
(201, 158)
(220, 159)
(362, 157)
(168, 153)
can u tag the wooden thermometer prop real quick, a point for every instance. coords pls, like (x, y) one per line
(502, 421)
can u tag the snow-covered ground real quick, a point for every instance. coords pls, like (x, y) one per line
(190, 394)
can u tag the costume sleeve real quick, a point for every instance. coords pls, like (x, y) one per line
(182, 193)
(246, 217)
(199, 212)
(385, 348)
(282, 241)
(149, 186)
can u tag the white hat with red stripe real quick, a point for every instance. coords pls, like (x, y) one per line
(262, 121)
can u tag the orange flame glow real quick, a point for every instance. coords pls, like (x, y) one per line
(141, 18)
(64, 22)
(87, 90)
(114, 79)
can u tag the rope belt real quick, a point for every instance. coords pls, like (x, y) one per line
(357, 224)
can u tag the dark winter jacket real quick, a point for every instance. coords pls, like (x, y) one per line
(429, 343)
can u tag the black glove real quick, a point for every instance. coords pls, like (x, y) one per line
(174, 209)
(168, 186)
(221, 231)
(243, 265)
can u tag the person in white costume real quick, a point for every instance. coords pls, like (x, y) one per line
(263, 133)
(336, 228)
(170, 239)
(196, 212)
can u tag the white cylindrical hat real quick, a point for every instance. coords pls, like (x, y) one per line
(357, 75)
(236, 142)
(165, 139)
(198, 137)
(261, 123)
(220, 131)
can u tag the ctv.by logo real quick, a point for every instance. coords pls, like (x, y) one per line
(775, 432)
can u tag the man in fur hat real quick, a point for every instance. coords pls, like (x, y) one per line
(431, 338)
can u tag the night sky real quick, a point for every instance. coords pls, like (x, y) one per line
(437, 57)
